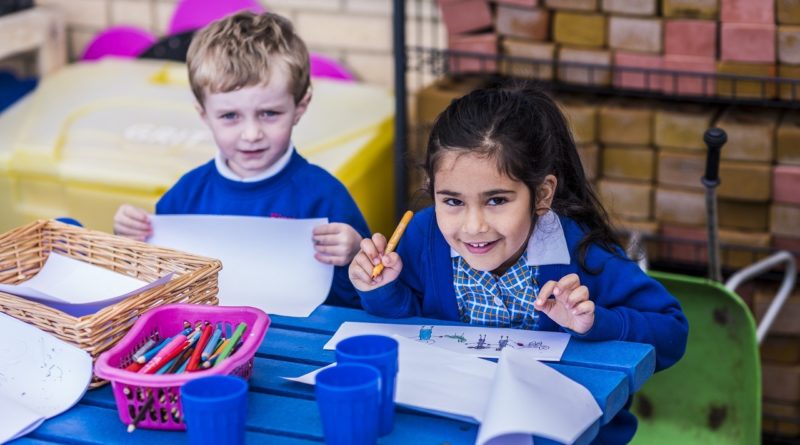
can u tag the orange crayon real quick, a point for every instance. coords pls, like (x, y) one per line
(392, 244)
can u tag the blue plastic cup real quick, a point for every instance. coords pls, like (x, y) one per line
(381, 352)
(215, 409)
(348, 397)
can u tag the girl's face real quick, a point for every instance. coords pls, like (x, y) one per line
(484, 215)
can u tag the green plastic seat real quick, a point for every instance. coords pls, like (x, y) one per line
(713, 394)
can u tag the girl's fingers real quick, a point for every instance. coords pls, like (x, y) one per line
(360, 271)
(380, 242)
(565, 286)
(545, 292)
(585, 307)
(578, 295)
(369, 249)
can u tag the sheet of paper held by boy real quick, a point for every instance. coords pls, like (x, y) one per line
(478, 341)
(511, 399)
(267, 263)
(40, 377)
(78, 288)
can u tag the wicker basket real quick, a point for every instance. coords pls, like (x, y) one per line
(24, 250)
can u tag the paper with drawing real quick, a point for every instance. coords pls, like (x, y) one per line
(40, 377)
(78, 288)
(512, 400)
(478, 341)
(266, 262)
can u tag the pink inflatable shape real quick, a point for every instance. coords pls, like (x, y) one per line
(322, 66)
(195, 14)
(119, 41)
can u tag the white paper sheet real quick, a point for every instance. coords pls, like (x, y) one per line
(514, 399)
(267, 263)
(433, 380)
(78, 288)
(529, 398)
(40, 377)
(476, 341)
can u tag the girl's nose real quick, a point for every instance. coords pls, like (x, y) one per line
(475, 222)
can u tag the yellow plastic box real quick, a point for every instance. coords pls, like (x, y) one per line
(96, 135)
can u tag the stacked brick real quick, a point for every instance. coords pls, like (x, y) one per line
(780, 370)
(714, 40)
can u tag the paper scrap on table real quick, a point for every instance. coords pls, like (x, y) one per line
(530, 398)
(514, 399)
(40, 377)
(478, 341)
(78, 288)
(267, 263)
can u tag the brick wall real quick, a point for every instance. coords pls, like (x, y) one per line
(356, 32)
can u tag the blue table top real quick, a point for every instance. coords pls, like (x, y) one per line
(284, 412)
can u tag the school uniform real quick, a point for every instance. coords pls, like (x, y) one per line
(290, 188)
(435, 282)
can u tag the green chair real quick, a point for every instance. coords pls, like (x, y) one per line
(713, 394)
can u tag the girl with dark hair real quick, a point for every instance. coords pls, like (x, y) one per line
(517, 238)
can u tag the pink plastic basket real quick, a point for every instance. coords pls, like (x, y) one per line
(132, 390)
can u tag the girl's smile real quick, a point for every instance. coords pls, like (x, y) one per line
(484, 215)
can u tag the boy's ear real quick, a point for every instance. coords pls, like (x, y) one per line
(302, 106)
(545, 194)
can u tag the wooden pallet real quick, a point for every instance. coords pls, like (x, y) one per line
(39, 29)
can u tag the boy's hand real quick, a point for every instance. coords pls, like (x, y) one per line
(370, 256)
(571, 307)
(335, 243)
(132, 222)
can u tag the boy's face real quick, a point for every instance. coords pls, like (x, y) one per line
(252, 126)
(483, 214)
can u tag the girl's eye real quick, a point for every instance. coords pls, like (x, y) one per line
(453, 202)
(496, 201)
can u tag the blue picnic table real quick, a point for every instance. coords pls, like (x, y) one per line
(284, 412)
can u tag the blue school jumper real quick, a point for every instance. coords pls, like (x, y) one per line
(629, 305)
(299, 190)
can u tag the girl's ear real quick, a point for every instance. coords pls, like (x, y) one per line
(545, 194)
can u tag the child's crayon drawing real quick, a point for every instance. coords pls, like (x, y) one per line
(478, 341)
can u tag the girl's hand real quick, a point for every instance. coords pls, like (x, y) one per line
(335, 243)
(571, 307)
(132, 222)
(372, 254)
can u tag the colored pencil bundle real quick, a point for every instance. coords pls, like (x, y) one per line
(192, 349)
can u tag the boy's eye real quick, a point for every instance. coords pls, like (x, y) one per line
(269, 113)
(228, 116)
(496, 201)
(453, 202)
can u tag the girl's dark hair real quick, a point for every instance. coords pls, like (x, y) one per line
(524, 130)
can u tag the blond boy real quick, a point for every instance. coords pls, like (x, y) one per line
(250, 76)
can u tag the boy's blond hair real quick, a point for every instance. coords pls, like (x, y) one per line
(243, 50)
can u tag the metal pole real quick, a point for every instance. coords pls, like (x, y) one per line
(714, 138)
(401, 103)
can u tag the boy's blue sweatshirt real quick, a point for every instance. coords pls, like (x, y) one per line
(629, 305)
(299, 190)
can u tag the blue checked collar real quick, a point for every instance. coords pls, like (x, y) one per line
(547, 244)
